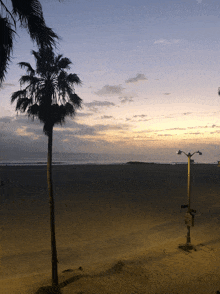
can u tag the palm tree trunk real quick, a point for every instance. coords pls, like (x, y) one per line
(52, 218)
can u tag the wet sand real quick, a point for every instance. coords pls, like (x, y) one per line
(121, 224)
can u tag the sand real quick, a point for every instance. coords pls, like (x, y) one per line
(118, 228)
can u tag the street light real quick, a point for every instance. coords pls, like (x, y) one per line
(189, 217)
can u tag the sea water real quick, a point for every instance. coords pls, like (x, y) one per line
(86, 158)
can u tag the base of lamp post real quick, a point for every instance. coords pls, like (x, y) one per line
(187, 247)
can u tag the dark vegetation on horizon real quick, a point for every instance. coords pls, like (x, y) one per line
(139, 162)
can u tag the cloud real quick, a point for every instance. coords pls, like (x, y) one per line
(84, 130)
(164, 135)
(166, 42)
(29, 132)
(21, 137)
(139, 77)
(93, 105)
(199, 1)
(140, 115)
(175, 129)
(110, 90)
(6, 85)
(126, 99)
(216, 132)
(197, 133)
(106, 117)
(82, 114)
(99, 103)
(5, 119)
(187, 113)
(166, 93)
(204, 127)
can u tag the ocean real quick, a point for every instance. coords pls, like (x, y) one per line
(76, 158)
(40, 158)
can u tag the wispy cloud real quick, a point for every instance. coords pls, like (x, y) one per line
(6, 85)
(126, 99)
(106, 116)
(83, 114)
(166, 93)
(140, 115)
(110, 90)
(5, 119)
(165, 135)
(215, 132)
(175, 129)
(167, 42)
(197, 133)
(139, 77)
(85, 130)
(93, 105)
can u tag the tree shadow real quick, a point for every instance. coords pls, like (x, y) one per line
(72, 280)
(117, 268)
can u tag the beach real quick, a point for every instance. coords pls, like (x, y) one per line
(118, 228)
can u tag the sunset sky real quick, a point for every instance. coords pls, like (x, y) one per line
(150, 72)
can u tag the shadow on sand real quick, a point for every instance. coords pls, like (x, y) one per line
(117, 268)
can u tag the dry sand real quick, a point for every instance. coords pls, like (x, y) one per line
(121, 224)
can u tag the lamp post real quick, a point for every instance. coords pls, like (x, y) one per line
(189, 218)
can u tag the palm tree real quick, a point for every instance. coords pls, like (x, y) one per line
(50, 97)
(30, 16)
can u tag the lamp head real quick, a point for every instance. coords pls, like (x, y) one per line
(179, 152)
(200, 153)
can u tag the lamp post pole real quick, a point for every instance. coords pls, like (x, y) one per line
(188, 241)
(189, 216)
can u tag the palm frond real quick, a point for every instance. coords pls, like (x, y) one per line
(28, 67)
(29, 79)
(36, 54)
(69, 109)
(24, 8)
(44, 60)
(64, 63)
(8, 12)
(33, 110)
(76, 100)
(39, 32)
(31, 17)
(23, 103)
(74, 79)
(18, 94)
(57, 58)
(6, 46)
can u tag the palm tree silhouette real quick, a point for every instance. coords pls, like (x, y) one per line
(30, 16)
(50, 97)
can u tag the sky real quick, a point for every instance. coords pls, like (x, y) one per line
(150, 71)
